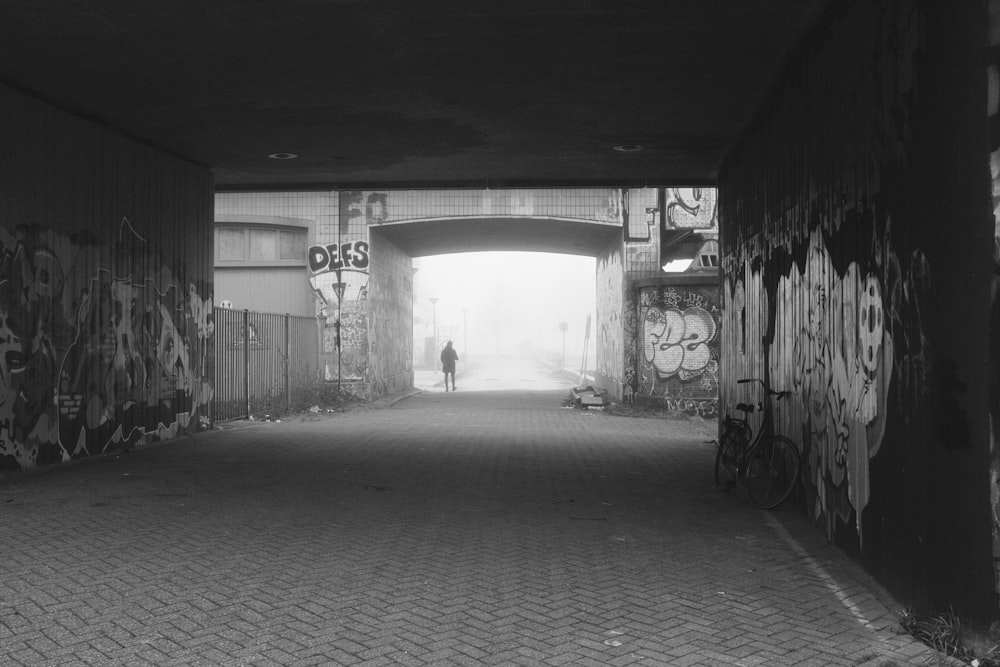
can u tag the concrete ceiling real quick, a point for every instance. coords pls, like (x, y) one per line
(410, 93)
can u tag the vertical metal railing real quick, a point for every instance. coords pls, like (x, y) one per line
(263, 361)
(247, 342)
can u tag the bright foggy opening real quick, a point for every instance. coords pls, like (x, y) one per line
(504, 308)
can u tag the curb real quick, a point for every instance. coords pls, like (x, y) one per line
(392, 399)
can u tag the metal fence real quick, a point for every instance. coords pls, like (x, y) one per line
(263, 362)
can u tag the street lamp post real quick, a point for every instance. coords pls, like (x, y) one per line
(465, 335)
(339, 289)
(563, 326)
(434, 304)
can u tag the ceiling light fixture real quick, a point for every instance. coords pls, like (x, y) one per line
(628, 148)
(282, 156)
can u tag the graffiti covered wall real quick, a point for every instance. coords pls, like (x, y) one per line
(105, 289)
(692, 208)
(364, 284)
(339, 266)
(680, 343)
(640, 259)
(993, 112)
(601, 205)
(845, 212)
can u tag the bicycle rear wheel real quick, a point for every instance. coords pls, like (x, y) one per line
(727, 458)
(772, 471)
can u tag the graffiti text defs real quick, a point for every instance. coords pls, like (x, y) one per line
(352, 256)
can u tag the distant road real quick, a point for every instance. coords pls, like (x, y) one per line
(498, 374)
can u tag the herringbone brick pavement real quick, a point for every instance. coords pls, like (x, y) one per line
(448, 529)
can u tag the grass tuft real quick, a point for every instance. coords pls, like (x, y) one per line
(945, 633)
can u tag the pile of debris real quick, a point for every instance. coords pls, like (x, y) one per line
(588, 397)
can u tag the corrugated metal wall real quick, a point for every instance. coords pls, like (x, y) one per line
(856, 245)
(105, 289)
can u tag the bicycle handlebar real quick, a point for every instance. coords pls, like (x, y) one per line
(779, 394)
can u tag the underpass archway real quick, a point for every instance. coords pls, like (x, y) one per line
(363, 244)
(503, 309)
(402, 225)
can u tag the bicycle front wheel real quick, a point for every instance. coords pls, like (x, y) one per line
(772, 471)
(727, 458)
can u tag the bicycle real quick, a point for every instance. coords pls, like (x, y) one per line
(767, 465)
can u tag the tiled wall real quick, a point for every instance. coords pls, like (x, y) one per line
(318, 206)
(595, 205)
(641, 259)
(105, 289)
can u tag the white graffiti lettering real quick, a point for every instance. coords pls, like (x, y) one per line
(675, 342)
(705, 407)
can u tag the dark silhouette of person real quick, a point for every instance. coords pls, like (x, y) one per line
(448, 358)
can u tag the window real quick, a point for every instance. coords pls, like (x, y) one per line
(263, 244)
(256, 244)
(292, 245)
(230, 244)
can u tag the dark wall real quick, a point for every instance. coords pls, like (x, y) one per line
(105, 289)
(993, 113)
(856, 250)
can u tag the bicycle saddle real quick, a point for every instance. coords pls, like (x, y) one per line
(745, 407)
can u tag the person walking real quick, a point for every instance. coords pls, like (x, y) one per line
(448, 358)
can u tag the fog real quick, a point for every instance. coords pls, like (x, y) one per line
(507, 304)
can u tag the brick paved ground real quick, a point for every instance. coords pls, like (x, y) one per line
(448, 529)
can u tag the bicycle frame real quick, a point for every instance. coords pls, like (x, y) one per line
(765, 462)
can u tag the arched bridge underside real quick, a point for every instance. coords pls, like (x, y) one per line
(362, 270)
(361, 266)
(420, 238)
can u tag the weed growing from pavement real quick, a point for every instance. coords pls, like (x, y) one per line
(946, 633)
